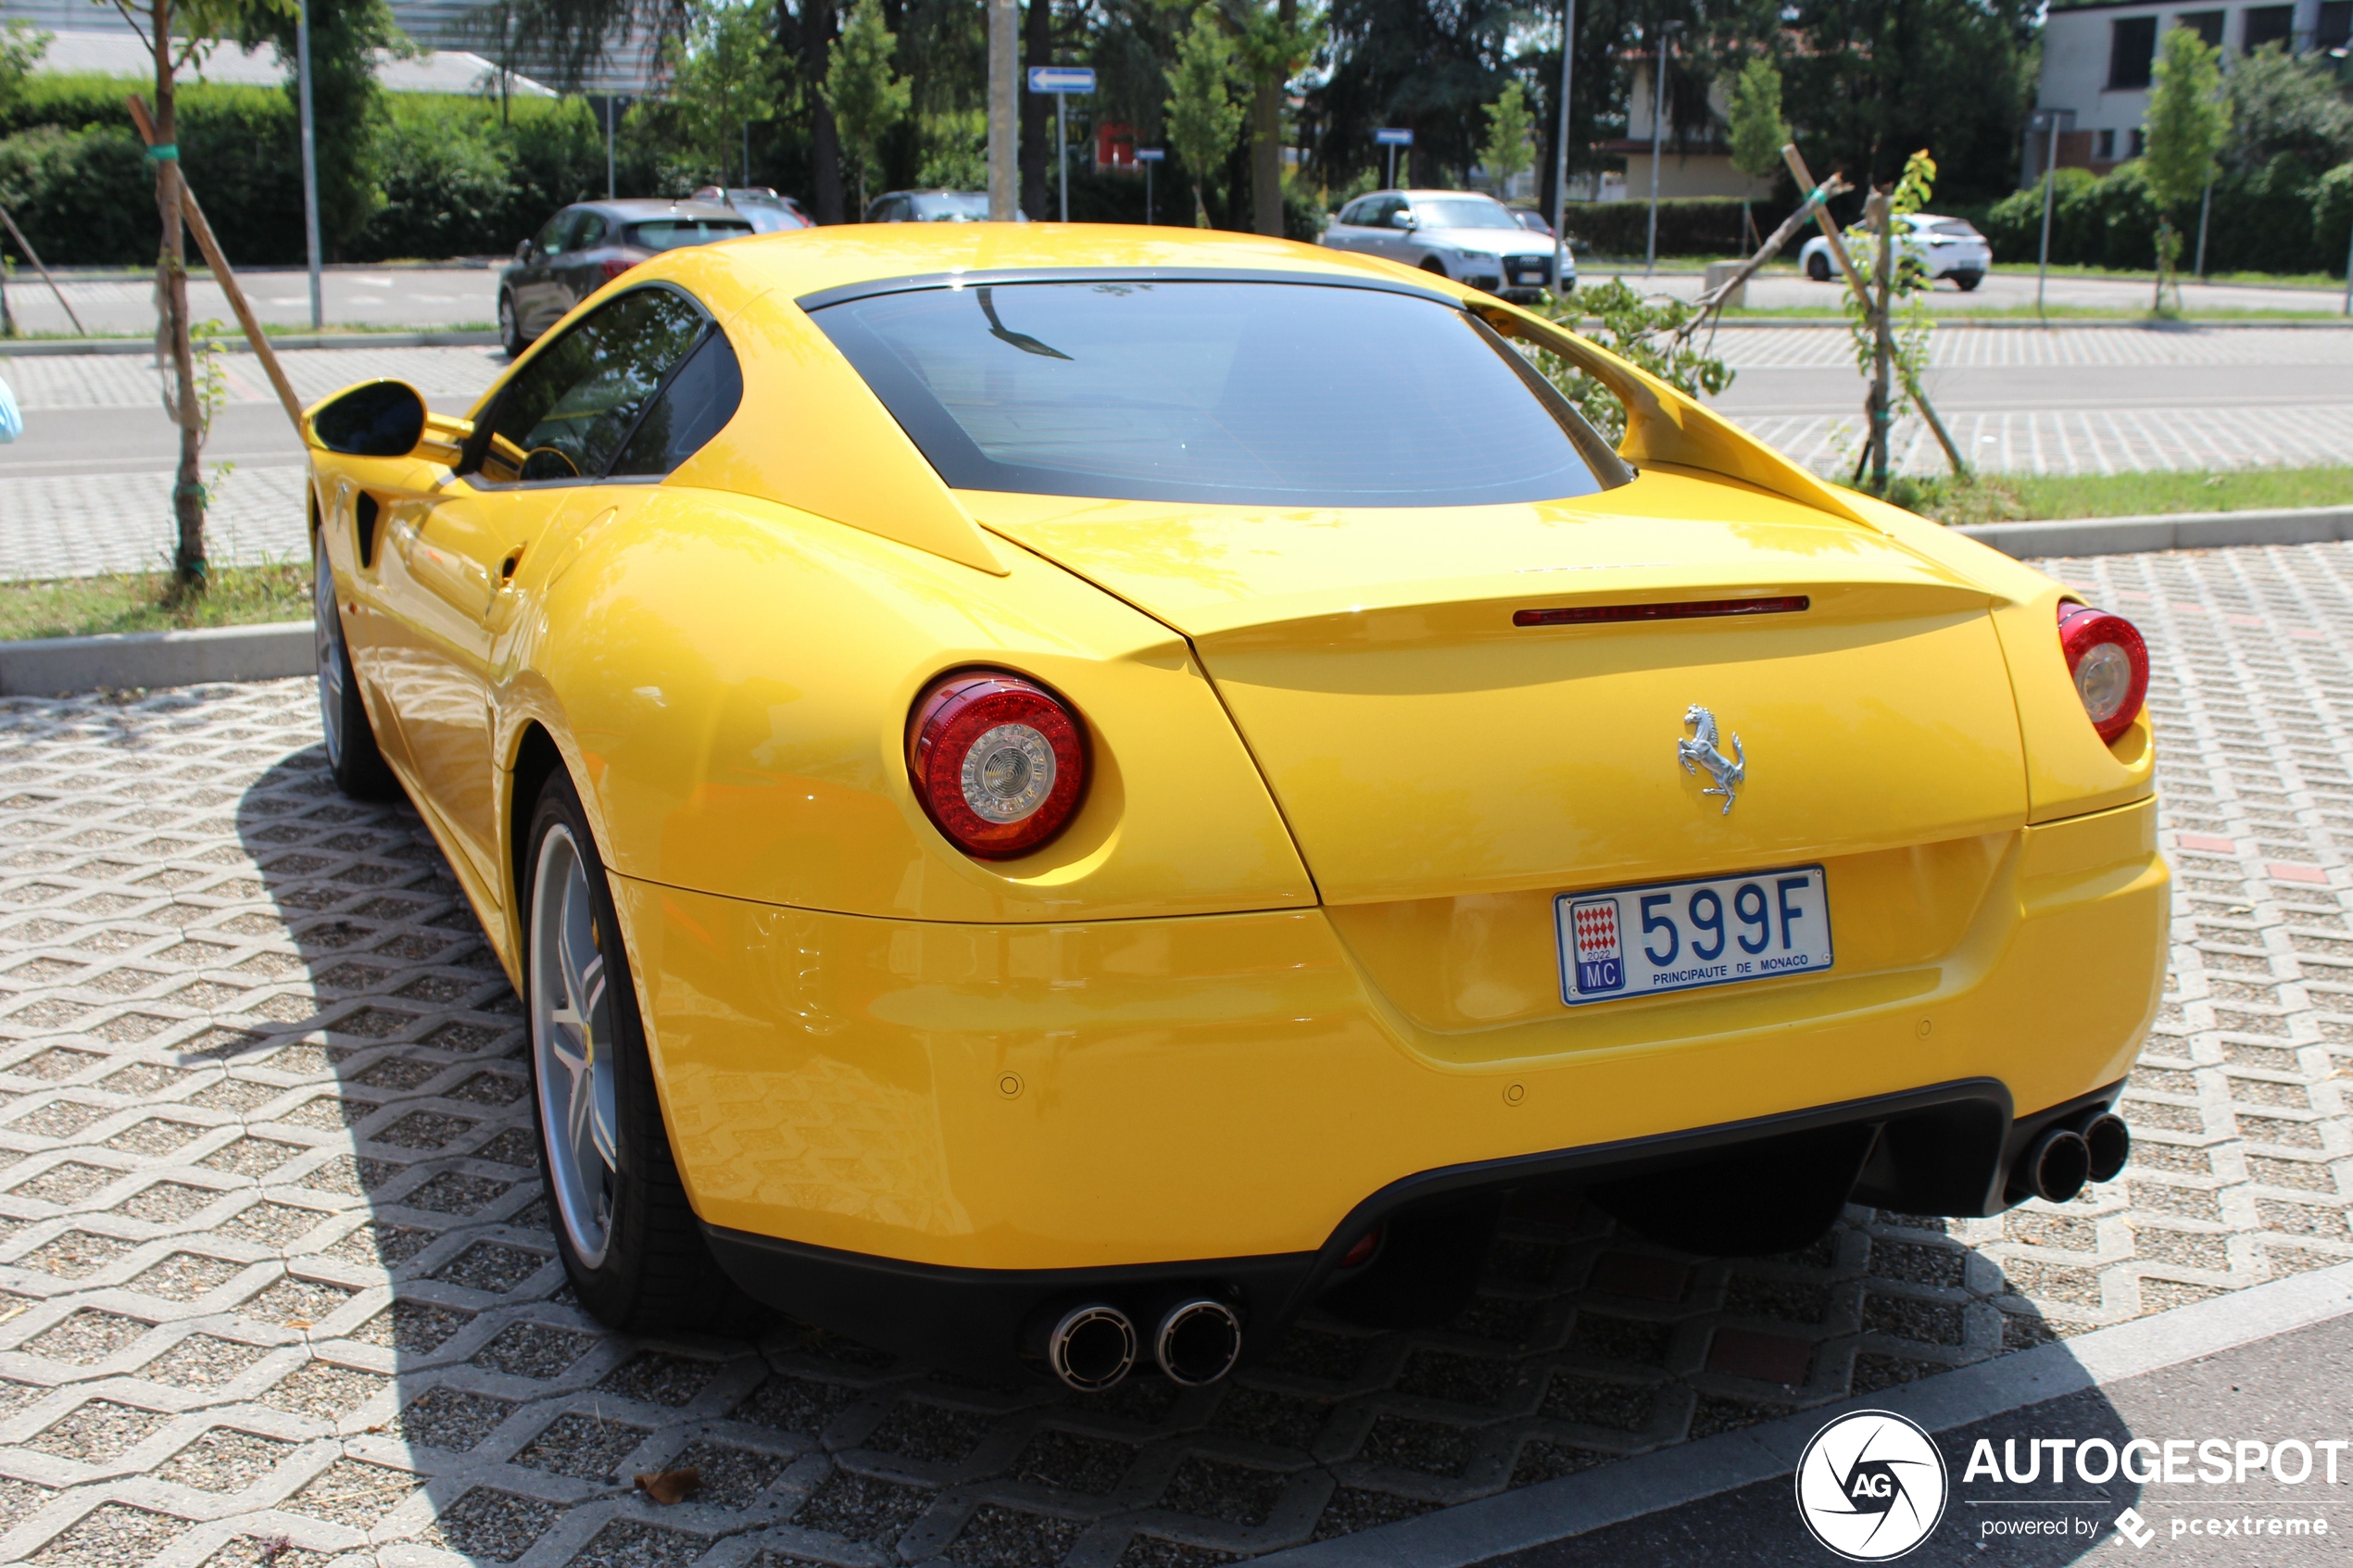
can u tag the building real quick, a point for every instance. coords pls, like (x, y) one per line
(2098, 56)
(1694, 169)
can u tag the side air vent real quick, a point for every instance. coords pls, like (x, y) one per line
(363, 517)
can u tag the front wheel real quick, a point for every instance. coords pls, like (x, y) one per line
(352, 755)
(1967, 280)
(509, 328)
(629, 1239)
(1818, 267)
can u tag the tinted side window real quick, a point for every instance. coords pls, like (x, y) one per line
(590, 232)
(568, 410)
(552, 238)
(1352, 214)
(698, 401)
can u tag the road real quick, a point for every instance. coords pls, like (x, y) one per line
(450, 296)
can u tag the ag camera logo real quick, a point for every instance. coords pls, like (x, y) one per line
(1871, 1485)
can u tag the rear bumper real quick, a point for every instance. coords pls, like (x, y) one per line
(1946, 1148)
(1147, 1094)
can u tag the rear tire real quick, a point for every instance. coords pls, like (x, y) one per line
(1967, 280)
(1432, 264)
(629, 1239)
(509, 329)
(1818, 267)
(353, 757)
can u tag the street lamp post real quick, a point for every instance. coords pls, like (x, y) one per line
(309, 162)
(2047, 122)
(1658, 130)
(1560, 151)
(1150, 157)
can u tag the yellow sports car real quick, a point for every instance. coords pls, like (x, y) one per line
(1055, 794)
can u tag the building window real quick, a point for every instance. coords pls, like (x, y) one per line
(2140, 142)
(2132, 45)
(2208, 25)
(2337, 25)
(2105, 147)
(2266, 24)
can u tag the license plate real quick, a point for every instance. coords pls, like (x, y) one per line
(1681, 935)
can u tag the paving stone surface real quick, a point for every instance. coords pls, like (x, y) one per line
(276, 1284)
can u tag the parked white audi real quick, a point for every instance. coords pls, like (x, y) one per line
(1947, 247)
(1466, 236)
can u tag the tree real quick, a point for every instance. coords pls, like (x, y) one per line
(176, 36)
(20, 50)
(1204, 120)
(345, 36)
(724, 75)
(1759, 132)
(1274, 45)
(863, 90)
(1507, 154)
(2188, 120)
(1434, 68)
(2284, 105)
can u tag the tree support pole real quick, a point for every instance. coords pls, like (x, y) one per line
(193, 215)
(34, 257)
(1796, 163)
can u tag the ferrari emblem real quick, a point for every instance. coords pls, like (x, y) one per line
(1701, 749)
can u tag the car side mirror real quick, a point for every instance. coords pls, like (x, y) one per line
(1403, 220)
(387, 419)
(526, 250)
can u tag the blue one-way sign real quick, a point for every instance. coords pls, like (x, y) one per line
(1062, 79)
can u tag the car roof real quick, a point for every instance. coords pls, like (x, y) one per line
(641, 206)
(931, 191)
(816, 260)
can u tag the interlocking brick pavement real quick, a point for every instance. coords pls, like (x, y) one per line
(276, 1282)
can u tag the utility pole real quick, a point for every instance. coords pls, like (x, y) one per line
(309, 162)
(609, 181)
(2204, 206)
(2049, 120)
(1560, 150)
(1005, 174)
(1658, 130)
(1061, 157)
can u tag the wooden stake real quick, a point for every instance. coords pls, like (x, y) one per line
(1796, 163)
(193, 215)
(34, 257)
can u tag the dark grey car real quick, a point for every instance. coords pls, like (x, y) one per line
(587, 246)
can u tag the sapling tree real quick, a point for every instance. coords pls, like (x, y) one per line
(2188, 120)
(1507, 153)
(1203, 119)
(868, 98)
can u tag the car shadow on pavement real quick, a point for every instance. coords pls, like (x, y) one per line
(453, 1394)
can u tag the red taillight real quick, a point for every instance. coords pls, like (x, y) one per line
(614, 267)
(998, 762)
(2111, 665)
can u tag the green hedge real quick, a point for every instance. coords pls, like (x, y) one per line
(455, 179)
(2282, 218)
(1690, 226)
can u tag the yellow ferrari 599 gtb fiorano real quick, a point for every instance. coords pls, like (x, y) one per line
(1056, 794)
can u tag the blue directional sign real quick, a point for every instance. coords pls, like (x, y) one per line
(1385, 138)
(1151, 155)
(1062, 79)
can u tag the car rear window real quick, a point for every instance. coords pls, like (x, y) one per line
(669, 233)
(1954, 228)
(1249, 394)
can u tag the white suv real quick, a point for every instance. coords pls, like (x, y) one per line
(1947, 247)
(1463, 236)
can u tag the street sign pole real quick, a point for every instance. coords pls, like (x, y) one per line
(2049, 120)
(1150, 157)
(1560, 149)
(1393, 137)
(310, 163)
(1062, 80)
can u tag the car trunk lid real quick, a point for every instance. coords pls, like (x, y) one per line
(1421, 744)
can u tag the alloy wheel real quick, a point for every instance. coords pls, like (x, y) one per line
(327, 640)
(572, 1047)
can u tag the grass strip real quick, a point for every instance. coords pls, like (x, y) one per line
(2052, 497)
(154, 601)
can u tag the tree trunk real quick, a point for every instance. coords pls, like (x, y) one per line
(1037, 109)
(187, 489)
(824, 141)
(1882, 339)
(1266, 142)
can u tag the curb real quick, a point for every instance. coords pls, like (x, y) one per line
(2062, 324)
(1664, 1479)
(53, 666)
(34, 348)
(2179, 531)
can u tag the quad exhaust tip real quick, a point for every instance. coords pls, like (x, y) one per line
(2109, 1143)
(1092, 1347)
(2056, 1165)
(1199, 1341)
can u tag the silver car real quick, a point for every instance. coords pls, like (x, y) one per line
(1471, 238)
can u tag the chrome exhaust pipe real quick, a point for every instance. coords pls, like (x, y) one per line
(2110, 1145)
(1199, 1341)
(1092, 1347)
(2055, 1166)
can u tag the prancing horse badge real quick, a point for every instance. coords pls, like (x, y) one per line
(1701, 749)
